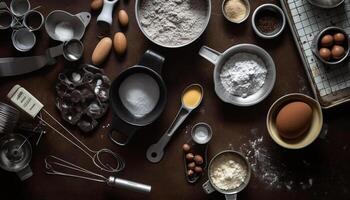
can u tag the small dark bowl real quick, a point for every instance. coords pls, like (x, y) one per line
(316, 46)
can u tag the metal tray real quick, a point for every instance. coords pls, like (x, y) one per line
(331, 86)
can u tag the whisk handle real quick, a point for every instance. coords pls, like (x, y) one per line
(130, 185)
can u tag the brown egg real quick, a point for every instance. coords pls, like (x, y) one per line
(123, 18)
(120, 43)
(338, 52)
(325, 53)
(198, 159)
(339, 38)
(96, 5)
(101, 51)
(189, 156)
(294, 119)
(327, 41)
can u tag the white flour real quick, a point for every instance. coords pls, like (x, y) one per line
(139, 93)
(173, 22)
(271, 170)
(243, 74)
(227, 174)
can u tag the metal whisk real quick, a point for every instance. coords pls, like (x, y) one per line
(52, 161)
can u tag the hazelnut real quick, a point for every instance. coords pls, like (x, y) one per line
(198, 169)
(186, 147)
(191, 165)
(189, 156)
(198, 159)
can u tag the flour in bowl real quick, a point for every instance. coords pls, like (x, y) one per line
(243, 74)
(173, 22)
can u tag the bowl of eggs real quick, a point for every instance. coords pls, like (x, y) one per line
(294, 121)
(331, 46)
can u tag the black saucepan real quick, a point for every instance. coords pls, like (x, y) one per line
(125, 123)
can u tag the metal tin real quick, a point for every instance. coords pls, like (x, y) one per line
(137, 6)
(271, 8)
(247, 4)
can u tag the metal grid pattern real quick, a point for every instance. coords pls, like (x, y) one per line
(309, 21)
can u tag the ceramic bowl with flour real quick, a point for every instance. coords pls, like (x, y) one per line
(172, 23)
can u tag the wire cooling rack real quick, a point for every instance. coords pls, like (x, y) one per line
(331, 85)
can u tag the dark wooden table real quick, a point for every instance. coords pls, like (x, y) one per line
(319, 171)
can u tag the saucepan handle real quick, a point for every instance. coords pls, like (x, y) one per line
(208, 188)
(84, 17)
(152, 60)
(210, 54)
(121, 127)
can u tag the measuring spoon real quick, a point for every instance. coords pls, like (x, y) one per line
(155, 152)
(71, 50)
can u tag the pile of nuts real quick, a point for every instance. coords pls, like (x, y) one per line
(333, 46)
(194, 162)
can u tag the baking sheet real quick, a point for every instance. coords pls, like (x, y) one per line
(331, 85)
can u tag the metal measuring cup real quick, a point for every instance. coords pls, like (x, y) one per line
(33, 20)
(6, 19)
(19, 7)
(209, 186)
(201, 133)
(23, 39)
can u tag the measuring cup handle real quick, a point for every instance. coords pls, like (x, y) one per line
(230, 196)
(25, 173)
(130, 185)
(152, 60)
(84, 17)
(121, 127)
(210, 54)
(207, 187)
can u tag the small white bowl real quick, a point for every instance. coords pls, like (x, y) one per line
(272, 8)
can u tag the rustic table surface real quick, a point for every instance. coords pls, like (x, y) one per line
(320, 171)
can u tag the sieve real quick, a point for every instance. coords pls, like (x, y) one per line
(71, 50)
(209, 187)
(124, 122)
(6, 19)
(19, 7)
(219, 59)
(8, 118)
(63, 26)
(15, 155)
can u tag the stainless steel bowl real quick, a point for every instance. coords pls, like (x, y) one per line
(326, 3)
(137, 9)
(219, 59)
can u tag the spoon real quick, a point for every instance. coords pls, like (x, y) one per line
(155, 152)
(71, 50)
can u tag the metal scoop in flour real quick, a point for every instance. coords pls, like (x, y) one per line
(63, 26)
(191, 98)
(71, 50)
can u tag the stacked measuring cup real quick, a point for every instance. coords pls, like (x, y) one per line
(23, 21)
